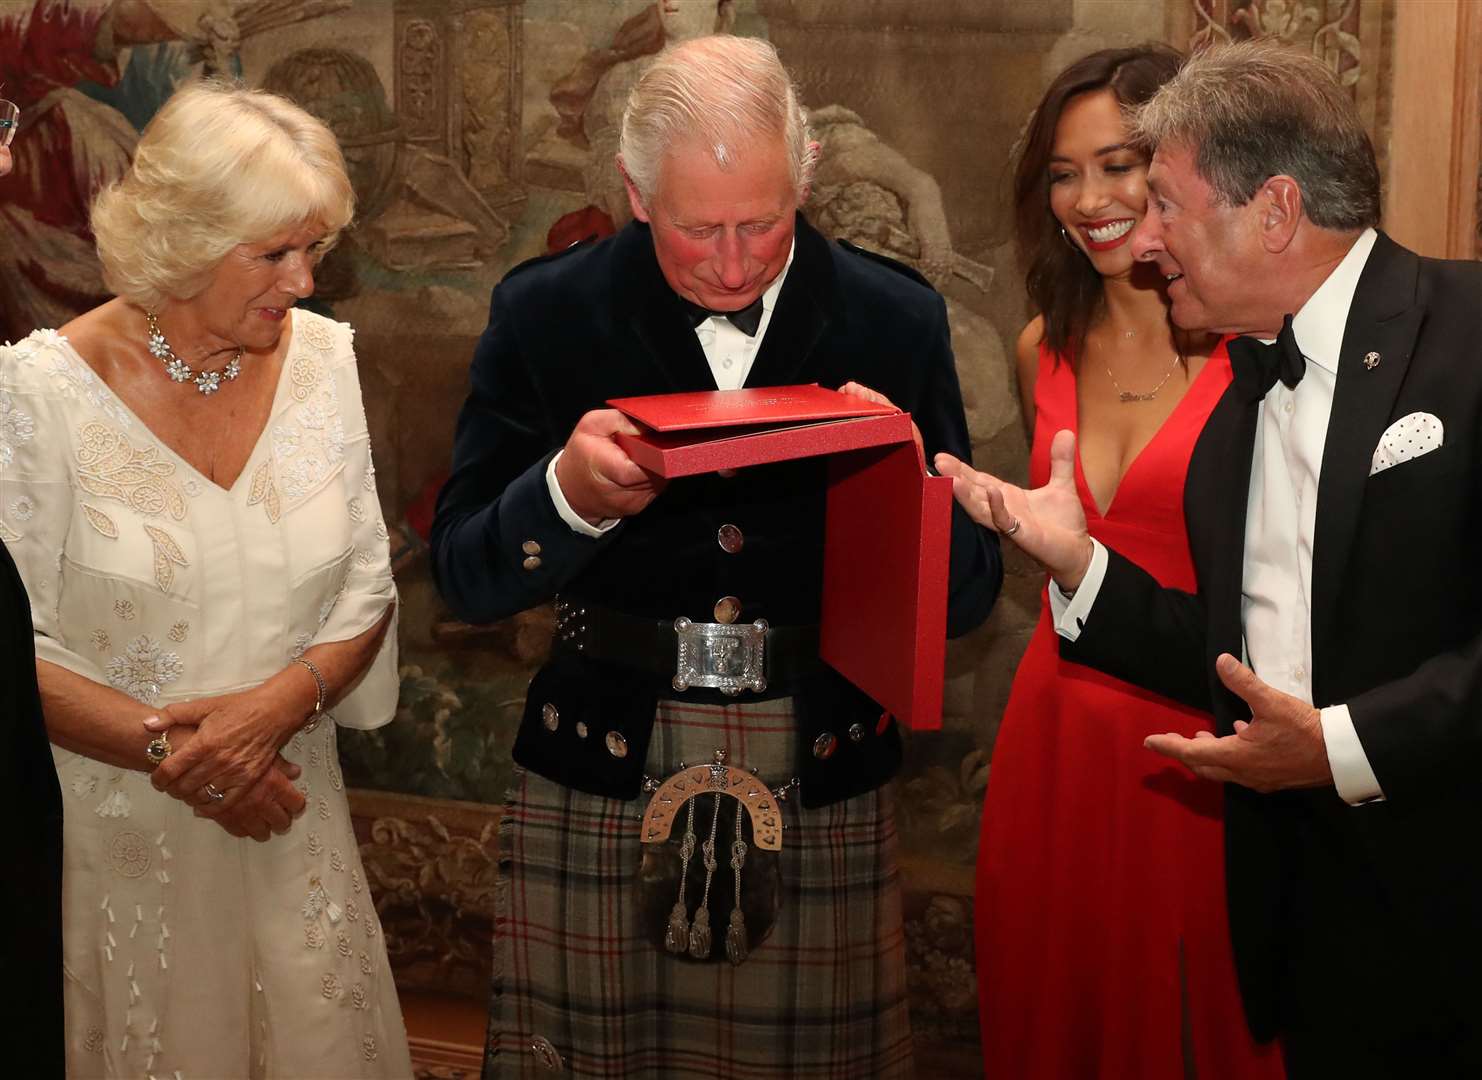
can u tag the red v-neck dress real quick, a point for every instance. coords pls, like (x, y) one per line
(1102, 938)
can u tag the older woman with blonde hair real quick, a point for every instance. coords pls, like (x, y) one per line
(186, 487)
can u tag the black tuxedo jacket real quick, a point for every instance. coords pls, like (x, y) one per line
(1369, 914)
(31, 882)
(568, 332)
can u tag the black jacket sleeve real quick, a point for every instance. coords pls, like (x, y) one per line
(498, 544)
(1151, 636)
(976, 571)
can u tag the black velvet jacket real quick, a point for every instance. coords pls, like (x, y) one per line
(568, 332)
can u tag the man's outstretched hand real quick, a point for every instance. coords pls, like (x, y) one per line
(1280, 747)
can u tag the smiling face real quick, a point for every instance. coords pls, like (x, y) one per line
(1211, 255)
(1098, 184)
(721, 235)
(254, 286)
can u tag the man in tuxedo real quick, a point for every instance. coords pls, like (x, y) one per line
(32, 882)
(1333, 506)
(719, 283)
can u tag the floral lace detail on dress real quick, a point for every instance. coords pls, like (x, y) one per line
(315, 332)
(264, 490)
(144, 669)
(309, 444)
(16, 427)
(73, 378)
(129, 855)
(101, 522)
(110, 466)
(167, 556)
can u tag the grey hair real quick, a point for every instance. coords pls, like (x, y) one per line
(1251, 110)
(723, 90)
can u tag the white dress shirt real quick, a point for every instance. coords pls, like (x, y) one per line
(730, 354)
(1280, 524)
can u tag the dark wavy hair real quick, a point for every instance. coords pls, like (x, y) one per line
(1062, 284)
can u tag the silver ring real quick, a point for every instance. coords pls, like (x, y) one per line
(1012, 529)
(215, 796)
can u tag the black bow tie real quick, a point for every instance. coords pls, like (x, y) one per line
(1258, 365)
(747, 320)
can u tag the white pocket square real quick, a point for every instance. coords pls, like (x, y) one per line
(1408, 437)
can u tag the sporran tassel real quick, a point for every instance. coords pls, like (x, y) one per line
(677, 937)
(700, 930)
(737, 946)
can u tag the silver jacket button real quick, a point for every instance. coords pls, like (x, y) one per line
(856, 733)
(730, 539)
(825, 745)
(550, 716)
(617, 746)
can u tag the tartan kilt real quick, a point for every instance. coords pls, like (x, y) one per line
(580, 989)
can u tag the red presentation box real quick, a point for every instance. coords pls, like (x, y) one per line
(888, 526)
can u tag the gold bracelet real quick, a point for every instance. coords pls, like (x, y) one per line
(321, 691)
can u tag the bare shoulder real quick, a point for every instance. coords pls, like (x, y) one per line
(96, 335)
(1026, 350)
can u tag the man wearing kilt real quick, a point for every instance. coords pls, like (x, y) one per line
(721, 951)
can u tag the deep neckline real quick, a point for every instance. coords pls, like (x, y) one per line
(165, 447)
(1082, 487)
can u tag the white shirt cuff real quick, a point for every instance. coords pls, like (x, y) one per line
(1352, 775)
(1070, 612)
(563, 508)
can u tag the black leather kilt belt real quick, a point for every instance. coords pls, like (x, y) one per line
(590, 710)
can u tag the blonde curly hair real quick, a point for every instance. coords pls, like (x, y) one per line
(218, 166)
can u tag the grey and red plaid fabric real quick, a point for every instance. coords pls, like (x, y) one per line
(579, 986)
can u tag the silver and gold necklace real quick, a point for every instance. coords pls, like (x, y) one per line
(1128, 397)
(207, 382)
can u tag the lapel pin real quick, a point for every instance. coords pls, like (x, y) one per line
(1371, 360)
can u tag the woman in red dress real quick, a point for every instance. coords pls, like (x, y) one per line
(1103, 948)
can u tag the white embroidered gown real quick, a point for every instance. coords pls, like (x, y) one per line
(190, 954)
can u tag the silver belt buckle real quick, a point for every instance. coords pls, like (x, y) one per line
(729, 657)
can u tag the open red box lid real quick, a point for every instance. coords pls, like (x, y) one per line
(888, 525)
